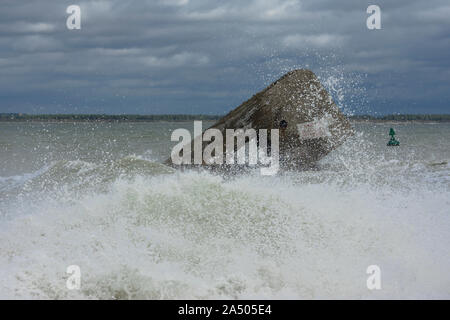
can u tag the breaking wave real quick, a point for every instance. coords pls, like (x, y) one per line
(141, 230)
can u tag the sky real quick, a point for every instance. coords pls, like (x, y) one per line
(208, 56)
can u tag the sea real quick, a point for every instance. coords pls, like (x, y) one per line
(368, 222)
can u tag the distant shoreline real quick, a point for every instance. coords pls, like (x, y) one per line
(17, 117)
(423, 118)
(20, 117)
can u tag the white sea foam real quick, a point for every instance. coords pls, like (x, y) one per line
(195, 235)
(137, 229)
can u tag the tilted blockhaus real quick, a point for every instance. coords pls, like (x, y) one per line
(310, 123)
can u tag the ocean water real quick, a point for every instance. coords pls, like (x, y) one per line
(96, 195)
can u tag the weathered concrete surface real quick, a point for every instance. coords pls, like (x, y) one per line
(315, 125)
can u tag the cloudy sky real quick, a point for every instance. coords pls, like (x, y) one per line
(207, 56)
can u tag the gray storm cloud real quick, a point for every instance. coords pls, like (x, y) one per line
(198, 56)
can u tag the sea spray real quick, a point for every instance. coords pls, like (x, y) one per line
(140, 230)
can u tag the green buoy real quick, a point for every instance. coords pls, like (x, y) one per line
(393, 141)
